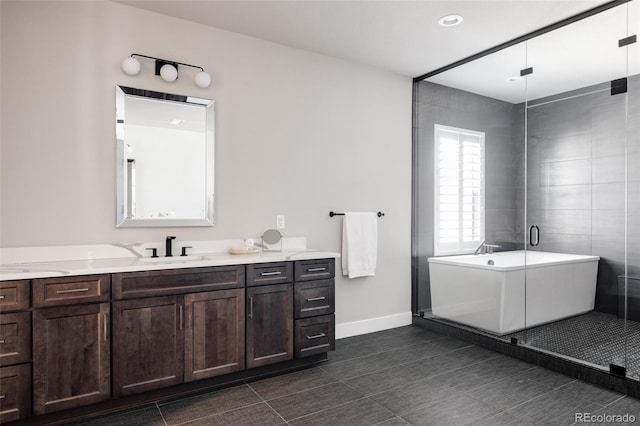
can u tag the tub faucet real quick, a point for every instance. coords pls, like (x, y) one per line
(167, 246)
(486, 248)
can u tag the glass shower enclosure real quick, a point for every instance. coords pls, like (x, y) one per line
(526, 219)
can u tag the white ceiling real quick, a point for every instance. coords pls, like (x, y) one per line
(399, 36)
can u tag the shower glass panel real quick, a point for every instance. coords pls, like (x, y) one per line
(576, 191)
(629, 285)
(468, 193)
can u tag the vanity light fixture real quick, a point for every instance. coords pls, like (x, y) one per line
(450, 20)
(167, 70)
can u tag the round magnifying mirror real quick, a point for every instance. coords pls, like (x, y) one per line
(271, 236)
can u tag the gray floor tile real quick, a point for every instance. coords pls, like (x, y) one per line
(275, 387)
(313, 400)
(362, 412)
(396, 421)
(545, 377)
(625, 406)
(553, 407)
(482, 373)
(421, 394)
(451, 343)
(433, 366)
(458, 411)
(509, 392)
(148, 416)
(503, 419)
(253, 415)
(378, 381)
(209, 404)
(589, 392)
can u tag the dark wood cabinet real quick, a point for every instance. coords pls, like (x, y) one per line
(269, 324)
(70, 357)
(148, 338)
(214, 333)
(15, 392)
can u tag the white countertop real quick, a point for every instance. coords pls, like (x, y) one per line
(132, 263)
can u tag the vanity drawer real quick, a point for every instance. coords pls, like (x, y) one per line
(314, 298)
(269, 273)
(319, 269)
(15, 338)
(14, 295)
(15, 392)
(71, 290)
(131, 285)
(314, 336)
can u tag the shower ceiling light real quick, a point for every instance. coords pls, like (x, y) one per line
(514, 79)
(450, 20)
(168, 70)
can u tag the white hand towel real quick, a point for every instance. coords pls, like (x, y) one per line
(359, 244)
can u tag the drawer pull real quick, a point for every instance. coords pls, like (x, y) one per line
(2, 296)
(72, 290)
(316, 336)
(268, 274)
(251, 307)
(181, 320)
(3, 396)
(316, 269)
(315, 299)
(105, 320)
(2, 341)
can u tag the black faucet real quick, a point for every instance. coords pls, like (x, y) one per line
(167, 246)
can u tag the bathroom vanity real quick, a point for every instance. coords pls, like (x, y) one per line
(73, 345)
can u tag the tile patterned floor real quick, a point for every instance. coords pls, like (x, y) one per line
(404, 376)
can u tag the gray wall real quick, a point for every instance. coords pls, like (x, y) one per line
(436, 104)
(297, 133)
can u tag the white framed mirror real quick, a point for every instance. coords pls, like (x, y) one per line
(165, 159)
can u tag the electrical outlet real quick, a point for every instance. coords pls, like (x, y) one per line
(280, 221)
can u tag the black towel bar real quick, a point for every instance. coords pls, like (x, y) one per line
(332, 214)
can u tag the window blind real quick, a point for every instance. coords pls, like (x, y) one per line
(459, 190)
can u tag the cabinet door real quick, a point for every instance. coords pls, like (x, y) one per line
(70, 357)
(15, 392)
(147, 344)
(214, 333)
(269, 324)
(15, 338)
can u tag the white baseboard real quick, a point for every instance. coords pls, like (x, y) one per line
(372, 325)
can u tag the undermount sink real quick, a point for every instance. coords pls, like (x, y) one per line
(173, 259)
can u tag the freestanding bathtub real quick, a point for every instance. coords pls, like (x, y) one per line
(496, 293)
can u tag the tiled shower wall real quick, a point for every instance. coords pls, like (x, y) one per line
(576, 190)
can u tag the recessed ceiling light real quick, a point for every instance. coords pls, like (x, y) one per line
(450, 20)
(514, 79)
(176, 122)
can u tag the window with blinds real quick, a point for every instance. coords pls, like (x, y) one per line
(459, 190)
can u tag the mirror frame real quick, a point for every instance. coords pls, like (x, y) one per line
(122, 221)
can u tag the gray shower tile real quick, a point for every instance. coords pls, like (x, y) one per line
(313, 400)
(608, 222)
(608, 196)
(571, 147)
(576, 197)
(286, 384)
(566, 222)
(569, 172)
(362, 412)
(608, 169)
